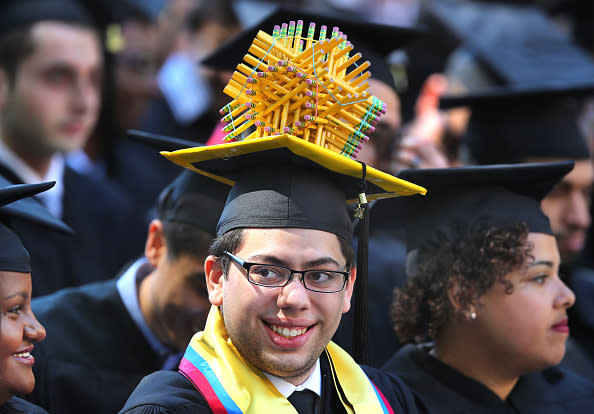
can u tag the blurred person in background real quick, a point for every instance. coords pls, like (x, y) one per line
(115, 332)
(51, 73)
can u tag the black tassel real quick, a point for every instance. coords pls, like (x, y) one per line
(360, 332)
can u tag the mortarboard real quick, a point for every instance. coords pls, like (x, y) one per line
(19, 13)
(193, 199)
(30, 209)
(515, 44)
(374, 40)
(509, 125)
(13, 255)
(471, 198)
(296, 169)
(160, 142)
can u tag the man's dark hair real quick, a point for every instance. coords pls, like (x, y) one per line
(185, 239)
(231, 241)
(14, 48)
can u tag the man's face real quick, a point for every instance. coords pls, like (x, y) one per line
(179, 300)
(53, 102)
(568, 208)
(254, 315)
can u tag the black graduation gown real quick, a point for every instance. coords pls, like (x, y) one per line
(143, 175)
(18, 406)
(93, 355)
(447, 391)
(109, 232)
(171, 392)
(580, 351)
(387, 255)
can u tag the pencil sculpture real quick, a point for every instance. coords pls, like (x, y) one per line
(290, 84)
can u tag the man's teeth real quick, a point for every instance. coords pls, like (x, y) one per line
(289, 333)
(23, 355)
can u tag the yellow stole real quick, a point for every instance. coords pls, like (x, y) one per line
(230, 384)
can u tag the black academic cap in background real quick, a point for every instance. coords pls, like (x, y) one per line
(29, 209)
(471, 198)
(94, 13)
(13, 255)
(113, 11)
(193, 199)
(514, 44)
(161, 142)
(15, 14)
(509, 125)
(373, 39)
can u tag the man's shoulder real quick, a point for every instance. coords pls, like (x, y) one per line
(165, 392)
(76, 299)
(84, 185)
(393, 389)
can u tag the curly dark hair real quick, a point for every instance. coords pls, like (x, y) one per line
(475, 259)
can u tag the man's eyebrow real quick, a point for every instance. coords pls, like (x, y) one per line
(266, 259)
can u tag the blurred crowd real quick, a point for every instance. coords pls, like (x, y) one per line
(466, 83)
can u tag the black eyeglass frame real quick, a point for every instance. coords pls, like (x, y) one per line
(248, 265)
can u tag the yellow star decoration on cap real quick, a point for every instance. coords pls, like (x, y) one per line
(297, 85)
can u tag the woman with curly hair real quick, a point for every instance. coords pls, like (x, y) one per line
(484, 302)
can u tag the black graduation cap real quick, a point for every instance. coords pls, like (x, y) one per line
(161, 142)
(30, 209)
(375, 41)
(13, 255)
(284, 181)
(20, 13)
(194, 199)
(515, 44)
(509, 125)
(471, 198)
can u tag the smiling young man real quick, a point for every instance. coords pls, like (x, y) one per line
(280, 275)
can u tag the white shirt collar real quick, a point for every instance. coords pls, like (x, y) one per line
(51, 198)
(313, 383)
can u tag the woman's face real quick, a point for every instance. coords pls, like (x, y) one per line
(528, 328)
(19, 330)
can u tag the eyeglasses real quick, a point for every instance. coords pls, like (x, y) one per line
(323, 281)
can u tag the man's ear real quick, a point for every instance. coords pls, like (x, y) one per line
(155, 247)
(215, 279)
(346, 306)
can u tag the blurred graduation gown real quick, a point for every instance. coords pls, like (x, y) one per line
(108, 232)
(17, 405)
(447, 391)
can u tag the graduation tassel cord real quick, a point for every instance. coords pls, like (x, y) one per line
(360, 331)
